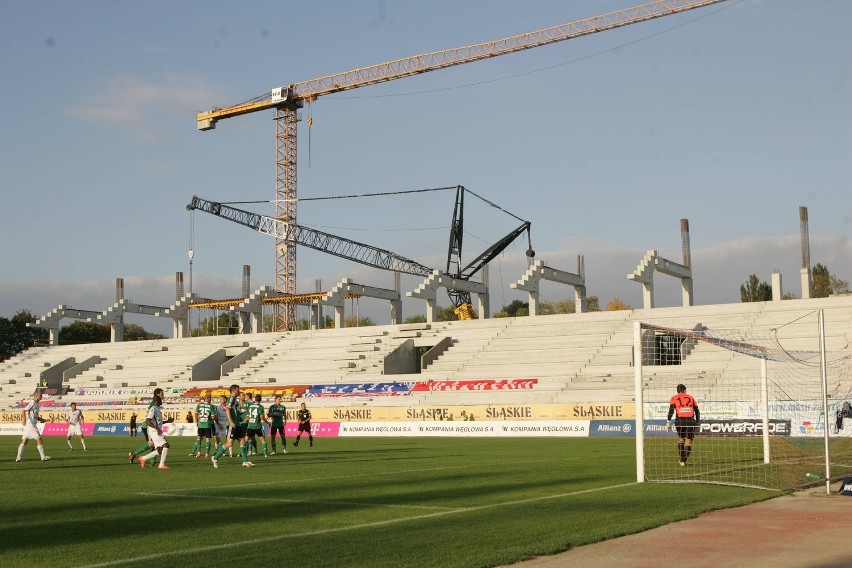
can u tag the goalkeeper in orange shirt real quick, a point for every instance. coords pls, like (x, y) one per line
(685, 409)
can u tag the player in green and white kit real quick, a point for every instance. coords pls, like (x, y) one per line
(158, 392)
(204, 414)
(237, 431)
(245, 401)
(278, 414)
(256, 415)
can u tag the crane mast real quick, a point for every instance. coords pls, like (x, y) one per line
(288, 99)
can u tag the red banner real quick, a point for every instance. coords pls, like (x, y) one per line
(476, 385)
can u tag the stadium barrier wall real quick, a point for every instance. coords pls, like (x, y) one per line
(362, 413)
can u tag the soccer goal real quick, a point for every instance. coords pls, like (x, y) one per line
(773, 415)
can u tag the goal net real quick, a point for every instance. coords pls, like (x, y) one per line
(772, 414)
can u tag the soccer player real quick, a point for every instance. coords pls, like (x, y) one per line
(75, 427)
(304, 417)
(148, 445)
(254, 428)
(154, 419)
(245, 401)
(278, 414)
(203, 420)
(237, 431)
(685, 409)
(30, 419)
(221, 422)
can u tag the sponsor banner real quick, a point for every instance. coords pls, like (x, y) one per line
(656, 429)
(360, 389)
(111, 429)
(111, 416)
(602, 411)
(713, 427)
(291, 391)
(475, 385)
(364, 412)
(319, 429)
(742, 427)
(61, 429)
(549, 428)
(12, 429)
(613, 428)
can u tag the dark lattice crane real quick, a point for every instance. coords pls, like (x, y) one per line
(286, 101)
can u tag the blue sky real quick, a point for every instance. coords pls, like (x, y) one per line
(731, 116)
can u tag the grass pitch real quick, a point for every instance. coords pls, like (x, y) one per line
(362, 502)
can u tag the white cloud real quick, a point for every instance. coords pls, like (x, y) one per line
(132, 104)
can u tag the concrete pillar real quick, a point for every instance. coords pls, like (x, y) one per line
(777, 291)
(807, 285)
(648, 292)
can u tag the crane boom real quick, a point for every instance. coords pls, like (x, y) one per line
(312, 238)
(288, 99)
(425, 62)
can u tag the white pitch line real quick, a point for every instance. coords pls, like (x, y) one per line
(264, 540)
(278, 500)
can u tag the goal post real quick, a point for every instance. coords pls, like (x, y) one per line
(771, 413)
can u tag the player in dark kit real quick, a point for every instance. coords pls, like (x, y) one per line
(303, 415)
(278, 415)
(685, 410)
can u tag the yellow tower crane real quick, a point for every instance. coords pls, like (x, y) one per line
(288, 99)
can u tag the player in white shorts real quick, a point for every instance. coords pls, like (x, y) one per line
(221, 421)
(30, 419)
(75, 427)
(156, 436)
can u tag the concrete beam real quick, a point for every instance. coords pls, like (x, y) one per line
(428, 290)
(531, 282)
(336, 298)
(51, 320)
(644, 274)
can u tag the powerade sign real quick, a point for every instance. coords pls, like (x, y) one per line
(728, 427)
(743, 427)
(612, 428)
(111, 429)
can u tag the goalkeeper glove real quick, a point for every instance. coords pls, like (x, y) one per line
(668, 425)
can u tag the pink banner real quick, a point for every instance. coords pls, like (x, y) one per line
(60, 429)
(319, 429)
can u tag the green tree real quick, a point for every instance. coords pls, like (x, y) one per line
(839, 286)
(825, 283)
(755, 291)
(617, 304)
(84, 332)
(419, 318)
(516, 309)
(226, 323)
(134, 332)
(446, 313)
(15, 336)
(365, 321)
(821, 281)
(593, 304)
